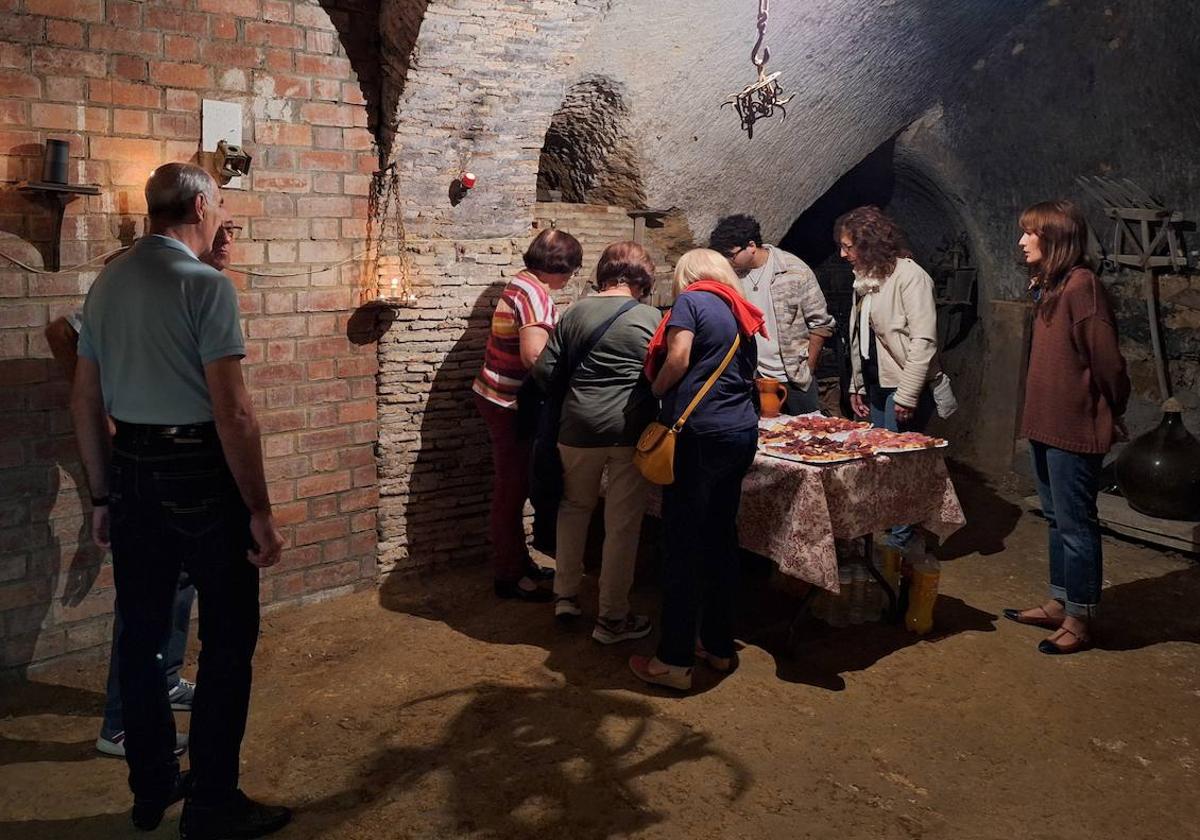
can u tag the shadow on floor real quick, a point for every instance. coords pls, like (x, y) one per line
(463, 600)
(19, 697)
(1151, 611)
(92, 828)
(817, 654)
(18, 751)
(518, 762)
(990, 517)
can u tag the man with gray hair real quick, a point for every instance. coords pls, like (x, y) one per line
(179, 485)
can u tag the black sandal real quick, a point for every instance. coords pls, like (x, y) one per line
(1047, 621)
(1081, 643)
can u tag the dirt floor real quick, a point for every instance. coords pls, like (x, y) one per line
(435, 711)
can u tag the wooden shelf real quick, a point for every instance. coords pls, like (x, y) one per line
(47, 187)
(59, 196)
(1116, 515)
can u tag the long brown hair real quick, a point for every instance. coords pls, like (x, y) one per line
(878, 241)
(1062, 234)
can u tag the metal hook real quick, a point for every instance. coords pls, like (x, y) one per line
(758, 45)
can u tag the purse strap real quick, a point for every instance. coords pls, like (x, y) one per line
(704, 389)
(564, 379)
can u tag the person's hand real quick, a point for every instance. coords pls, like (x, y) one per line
(100, 520)
(903, 413)
(858, 406)
(1122, 431)
(267, 540)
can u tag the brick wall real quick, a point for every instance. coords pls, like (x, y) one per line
(435, 460)
(484, 80)
(122, 82)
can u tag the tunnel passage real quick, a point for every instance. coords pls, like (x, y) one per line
(936, 229)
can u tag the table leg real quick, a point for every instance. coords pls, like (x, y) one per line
(892, 614)
(798, 617)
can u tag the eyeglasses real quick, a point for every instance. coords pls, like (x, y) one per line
(732, 255)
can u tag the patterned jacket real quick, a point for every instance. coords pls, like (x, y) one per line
(800, 311)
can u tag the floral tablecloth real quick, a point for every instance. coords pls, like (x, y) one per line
(792, 512)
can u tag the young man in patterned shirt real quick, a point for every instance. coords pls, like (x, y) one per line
(786, 290)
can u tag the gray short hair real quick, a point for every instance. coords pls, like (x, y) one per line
(172, 190)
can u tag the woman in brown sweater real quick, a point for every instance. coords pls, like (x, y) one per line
(1075, 394)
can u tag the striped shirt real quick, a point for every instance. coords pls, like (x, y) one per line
(523, 303)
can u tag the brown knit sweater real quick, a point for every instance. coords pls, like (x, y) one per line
(1077, 386)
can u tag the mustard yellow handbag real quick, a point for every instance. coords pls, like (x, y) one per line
(654, 455)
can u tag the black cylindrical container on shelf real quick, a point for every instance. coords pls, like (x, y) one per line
(54, 167)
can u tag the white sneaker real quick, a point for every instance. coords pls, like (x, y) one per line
(567, 607)
(115, 746)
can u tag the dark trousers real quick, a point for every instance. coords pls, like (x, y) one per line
(1067, 485)
(700, 569)
(170, 657)
(175, 506)
(802, 400)
(510, 489)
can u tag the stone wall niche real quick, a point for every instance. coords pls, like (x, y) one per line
(589, 156)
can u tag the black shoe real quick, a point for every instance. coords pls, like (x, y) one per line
(148, 812)
(537, 573)
(238, 818)
(513, 589)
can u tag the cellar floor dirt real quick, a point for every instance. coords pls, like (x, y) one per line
(433, 710)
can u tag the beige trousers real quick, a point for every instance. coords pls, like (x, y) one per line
(624, 506)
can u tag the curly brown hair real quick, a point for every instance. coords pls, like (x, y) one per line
(878, 241)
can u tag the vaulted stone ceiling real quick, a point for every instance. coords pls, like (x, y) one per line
(861, 69)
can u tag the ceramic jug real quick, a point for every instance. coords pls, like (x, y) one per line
(1159, 472)
(771, 394)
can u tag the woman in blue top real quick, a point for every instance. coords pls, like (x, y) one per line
(712, 454)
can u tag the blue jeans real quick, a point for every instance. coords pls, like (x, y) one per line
(1067, 485)
(176, 507)
(170, 657)
(700, 568)
(882, 402)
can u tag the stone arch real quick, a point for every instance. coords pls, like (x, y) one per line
(912, 183)
(589, 155)
(379, 38)
(399, 28)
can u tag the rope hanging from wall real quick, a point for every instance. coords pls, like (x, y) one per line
(763, 97)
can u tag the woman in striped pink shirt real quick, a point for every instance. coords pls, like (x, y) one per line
(521, 325)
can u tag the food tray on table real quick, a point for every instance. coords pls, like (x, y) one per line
(821, 441)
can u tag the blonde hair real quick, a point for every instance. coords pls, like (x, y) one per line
(705, 264)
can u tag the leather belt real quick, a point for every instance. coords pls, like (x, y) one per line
(145, 431)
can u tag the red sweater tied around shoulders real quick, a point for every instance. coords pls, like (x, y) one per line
(748, 316)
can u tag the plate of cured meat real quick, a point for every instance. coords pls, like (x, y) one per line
(816, 449)
(883, 442)
(813, 439)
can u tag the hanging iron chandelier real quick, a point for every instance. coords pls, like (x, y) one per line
(765, 96)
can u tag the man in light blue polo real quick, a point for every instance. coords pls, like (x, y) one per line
(179, 486)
